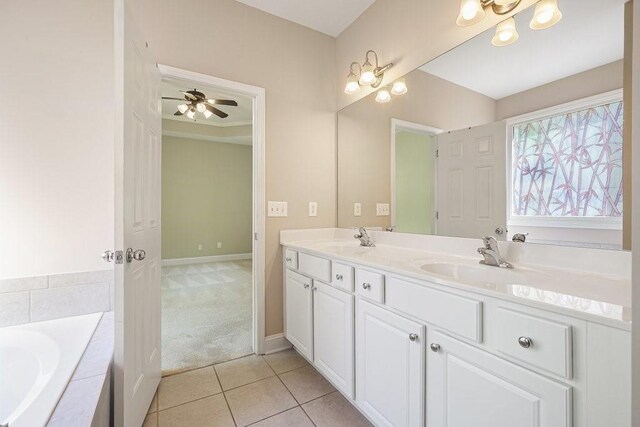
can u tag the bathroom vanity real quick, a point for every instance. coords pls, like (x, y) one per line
(416, 332)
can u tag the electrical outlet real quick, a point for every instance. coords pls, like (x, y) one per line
(313, 208)
(219, 245)
(382, 209)
(357, 209)
(277, 209)
(200, 247)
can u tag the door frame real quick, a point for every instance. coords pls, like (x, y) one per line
(397, 124)
(258, 128)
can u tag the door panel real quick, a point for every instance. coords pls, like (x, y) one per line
(137, 281)
(472, 182)
(469, 387)
(333, 335)
(390, 367)
(299, 313)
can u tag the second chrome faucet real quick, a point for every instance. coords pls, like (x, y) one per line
(364, 238)
(491, 253)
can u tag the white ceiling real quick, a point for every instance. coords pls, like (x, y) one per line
(327, 16)
(240, 115)
(590, 34)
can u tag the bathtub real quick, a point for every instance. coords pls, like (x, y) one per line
(37, 360)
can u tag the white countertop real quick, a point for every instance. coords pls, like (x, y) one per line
(599, 297)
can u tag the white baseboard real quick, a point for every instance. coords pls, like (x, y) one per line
(203, 259)
(275, 343)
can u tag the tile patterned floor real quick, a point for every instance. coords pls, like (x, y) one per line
(276, 390)
(206, 314)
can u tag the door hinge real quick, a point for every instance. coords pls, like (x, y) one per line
(437, 153)
(437, 215)
(255, 236)
(119, 257)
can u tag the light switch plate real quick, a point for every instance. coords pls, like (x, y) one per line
(277, 209)
(313, 208)
(382, 209)
(357, 209)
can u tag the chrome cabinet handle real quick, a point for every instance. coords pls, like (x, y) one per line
(413, 337)
(366, 286)
(435, 347)
(525, 342)
(338, 276)
(288, 259)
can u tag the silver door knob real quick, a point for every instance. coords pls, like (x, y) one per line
(435, 347)
(138, 255)
(288, 259)
(499, 231)
(108, 256)
(338, 276)
(413, 337)
(366, 286)
(525, 342)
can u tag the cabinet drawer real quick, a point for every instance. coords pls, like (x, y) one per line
(538, 342)
(459, 315)
(342, 276)
(291, 259)
(316, 267)
(370, 285)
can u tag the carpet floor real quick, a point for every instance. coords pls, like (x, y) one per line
(206, 314)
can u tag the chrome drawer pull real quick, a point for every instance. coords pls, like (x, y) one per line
(525, 342)
(413, 337)
(435, 347)
(366, 286)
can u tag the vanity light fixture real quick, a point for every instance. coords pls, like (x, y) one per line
(472, 11)
(383, 95)
(399, 87)
(546, 15)
(506, 33)
(368, 74)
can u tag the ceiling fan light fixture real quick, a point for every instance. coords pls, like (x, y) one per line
(201, 107)
(383, 96)
(506, 33)
(191, 114)
(471, 12)
(183, 108)
(211, 101)
(207, 114)
(546, 15)
(399, 87)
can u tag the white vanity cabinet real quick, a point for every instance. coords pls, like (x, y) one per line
(470, 387)
(299, 313)
(389, 367)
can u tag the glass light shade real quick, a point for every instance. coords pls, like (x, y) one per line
(546, 15)
(191, 114)
(211, 101)
(207, 114)
(471, 12)
(352, 84)
(506, 33)
(201, 107)
(183, 108)
(383, 96)
(399, 87)
(503, 2)
(367, 76)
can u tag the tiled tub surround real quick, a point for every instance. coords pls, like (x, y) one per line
(417, 323)
(34, 299)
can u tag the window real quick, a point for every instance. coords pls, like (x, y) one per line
(569, 164)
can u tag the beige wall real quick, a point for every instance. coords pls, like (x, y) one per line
(56, 136)
(206, 198)
(296, 66)
(364, 137)
(408, 33)
(592, 82)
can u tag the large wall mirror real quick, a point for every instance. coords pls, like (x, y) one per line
(523, 139)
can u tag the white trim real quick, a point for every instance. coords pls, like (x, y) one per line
(205, 259)
(258, 96)
(275, 343)
(592, 223)
(238, 140)
(397, 124)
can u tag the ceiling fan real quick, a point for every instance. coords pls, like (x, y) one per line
(196, 101)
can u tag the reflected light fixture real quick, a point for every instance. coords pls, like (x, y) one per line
(471, 12)
(506, 33)
(352, 80)
(399, 87)
(368, 74)
(191, 114)
(383, 95)
(201, 107)
(183, 108)
(207, 113)
(546, 15)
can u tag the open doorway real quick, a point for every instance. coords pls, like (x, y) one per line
(210, 313)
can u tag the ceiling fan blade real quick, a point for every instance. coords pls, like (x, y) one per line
(177, 113)
(225, 102)
(215, 111)
(176, 99)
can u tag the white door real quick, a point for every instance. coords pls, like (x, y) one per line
(333, 335)
(299, 313)
(137, 229)
(469, 387)
(472, 190)
(389, 367)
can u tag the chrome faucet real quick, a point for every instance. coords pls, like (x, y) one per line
(364, 238)
(492, 254)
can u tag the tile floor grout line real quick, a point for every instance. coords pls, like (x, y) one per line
(225, 399)
(290, 392)
(274, 415)
(308, 416)
(213, 365)
(186, 403)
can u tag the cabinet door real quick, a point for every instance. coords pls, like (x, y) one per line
(390, 367)
(470, 387)
(333, 335)
(299, 313)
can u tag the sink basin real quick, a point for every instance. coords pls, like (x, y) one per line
(485, 274)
